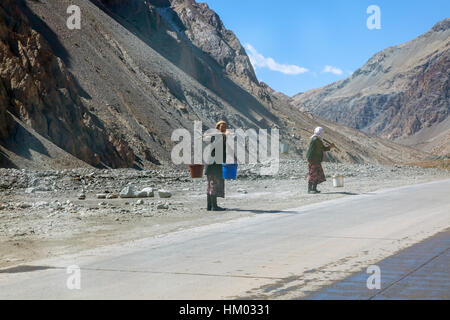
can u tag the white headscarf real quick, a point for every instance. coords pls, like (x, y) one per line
(318, 133)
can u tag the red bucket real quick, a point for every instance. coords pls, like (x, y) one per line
(196, 170)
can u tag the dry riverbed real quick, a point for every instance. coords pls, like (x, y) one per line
(42, 216)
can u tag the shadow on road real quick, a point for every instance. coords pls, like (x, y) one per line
(344, 193)
(21, 269)
(261, 211)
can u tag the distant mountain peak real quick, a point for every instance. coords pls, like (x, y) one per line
(442, 25)
(401, 92)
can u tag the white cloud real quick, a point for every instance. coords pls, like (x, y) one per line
(333, 70)
(259, 61)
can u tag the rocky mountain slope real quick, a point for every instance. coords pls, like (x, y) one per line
(111, 94)
(401, 93)
(36, 87)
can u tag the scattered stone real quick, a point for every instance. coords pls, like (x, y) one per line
(82, 196)
(23, 205)
(101, 196)
(162, 206)
(112, 196)
(30, 190)
(164, 194)
(242, 191)
(146, 193)
(127, 192)
(40, 204)
(102, 204)
(57, 206)
(20, 234)
(141, 194)
(140, 202)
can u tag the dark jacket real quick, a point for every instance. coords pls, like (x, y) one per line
(315, 151)
(215, 169)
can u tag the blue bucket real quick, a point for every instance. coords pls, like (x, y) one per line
(229, 171)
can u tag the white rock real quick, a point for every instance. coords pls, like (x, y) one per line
(30, 190)
(140, 202)
(127, 192)
(164, 194)
(41, 204)
(146, 193)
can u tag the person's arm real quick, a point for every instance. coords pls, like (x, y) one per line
(329, 147)
(213, 153)
(310, 152)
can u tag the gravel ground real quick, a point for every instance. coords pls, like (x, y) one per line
(42, 215)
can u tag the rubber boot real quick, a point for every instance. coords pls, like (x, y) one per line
(310, 187)
(209, 208)
(215, 207)
(315, 188)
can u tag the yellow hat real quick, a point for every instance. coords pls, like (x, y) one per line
(219, 123)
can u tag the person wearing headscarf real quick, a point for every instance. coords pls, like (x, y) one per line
(216, 183)
(314, 155)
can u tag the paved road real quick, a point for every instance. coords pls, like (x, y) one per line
(418, 272)
(278, 255)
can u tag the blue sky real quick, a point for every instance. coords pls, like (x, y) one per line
(314, 43)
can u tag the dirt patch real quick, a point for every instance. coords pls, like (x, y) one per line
(41, 215)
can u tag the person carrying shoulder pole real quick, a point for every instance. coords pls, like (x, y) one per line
(314, 156)
(213, 172)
